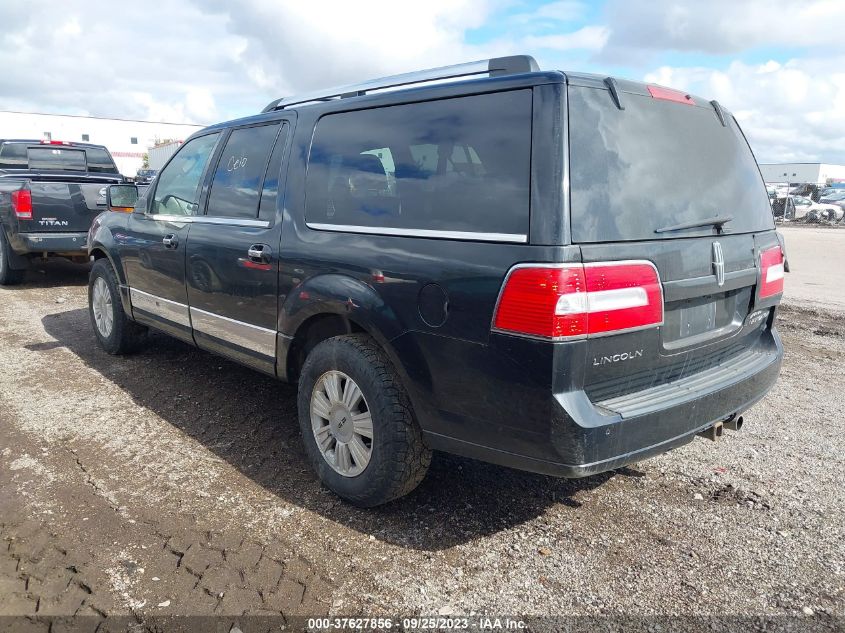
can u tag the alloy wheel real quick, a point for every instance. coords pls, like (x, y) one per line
(342, 423)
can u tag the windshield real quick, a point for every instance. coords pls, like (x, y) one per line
(658, 164)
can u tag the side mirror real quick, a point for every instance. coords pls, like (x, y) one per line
(121, 198)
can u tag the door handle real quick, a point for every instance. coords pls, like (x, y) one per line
(259, 253)
(170, 241)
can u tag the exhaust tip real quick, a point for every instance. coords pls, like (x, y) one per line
(734, 424)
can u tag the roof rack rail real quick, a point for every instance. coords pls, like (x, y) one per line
(495, 67)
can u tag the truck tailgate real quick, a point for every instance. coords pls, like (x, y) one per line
(65, 207)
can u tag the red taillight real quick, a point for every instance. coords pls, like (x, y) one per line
(623, 296)
(22, 204)
(48, 142)
(667, 94)
(771, 272)
(579, 300)
(530, 298)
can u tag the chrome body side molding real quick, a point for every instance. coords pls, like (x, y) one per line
(251, 337)
(162, 308)
(516, 238)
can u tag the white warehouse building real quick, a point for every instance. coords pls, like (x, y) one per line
(127, 140)
(815, 173)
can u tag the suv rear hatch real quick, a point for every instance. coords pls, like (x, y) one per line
(66, 183)
(662, 177)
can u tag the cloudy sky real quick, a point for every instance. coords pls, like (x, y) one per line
(779, 65)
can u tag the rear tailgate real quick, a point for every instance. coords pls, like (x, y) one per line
(640, 176)
(65, 207)
(66, 182)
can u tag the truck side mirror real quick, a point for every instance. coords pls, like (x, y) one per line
(121, 198)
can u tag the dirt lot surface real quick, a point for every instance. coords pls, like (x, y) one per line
(817, 259)
(174, 482)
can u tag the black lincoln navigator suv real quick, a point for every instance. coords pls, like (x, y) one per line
(552, 271)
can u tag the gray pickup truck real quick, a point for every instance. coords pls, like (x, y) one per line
(50, 193)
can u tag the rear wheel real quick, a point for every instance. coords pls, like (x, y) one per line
(8, 276)
(115, 332)
(357, 423)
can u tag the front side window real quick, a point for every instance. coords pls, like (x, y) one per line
(236, 187)
(456, 165)
(178, 189)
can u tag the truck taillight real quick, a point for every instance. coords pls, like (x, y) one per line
(771, 272)
(579, 300)
(22, 204)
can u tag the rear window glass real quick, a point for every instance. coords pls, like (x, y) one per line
(57, 158)
(237, 181)
(657, 164)
(20, 156)
(100, 161)
(451, 165)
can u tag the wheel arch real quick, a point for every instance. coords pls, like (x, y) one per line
(99, 252)
(334, 304)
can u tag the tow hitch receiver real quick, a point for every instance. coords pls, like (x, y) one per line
(733, 423)
(713, 432)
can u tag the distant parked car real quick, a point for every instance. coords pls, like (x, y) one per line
(145, 176)
(806, 190)
(806, 209)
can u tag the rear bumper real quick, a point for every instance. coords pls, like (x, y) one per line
(579, 438)
(63, 243)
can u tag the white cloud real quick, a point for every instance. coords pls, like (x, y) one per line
(790, 112)
(135, 63)
(206, 60)
(307, 45)
(590, 38)
(203, 60)
(640, 29)
(551, 13)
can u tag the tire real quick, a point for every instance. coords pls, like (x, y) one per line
(398, 458)
(8, 276)
(122, 336)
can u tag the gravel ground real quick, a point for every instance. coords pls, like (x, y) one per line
(173, 482)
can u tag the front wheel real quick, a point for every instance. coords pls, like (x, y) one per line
(357, 423)
(115, 332)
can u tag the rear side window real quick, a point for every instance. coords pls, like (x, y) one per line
(99, 161)
(13, 156)
(236, 187)
(270, 190)
(454, 165)
(658, 164)
(56, 158)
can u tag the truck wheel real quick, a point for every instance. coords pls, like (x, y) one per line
(8, 276)
(115, 332)
(357, 423)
